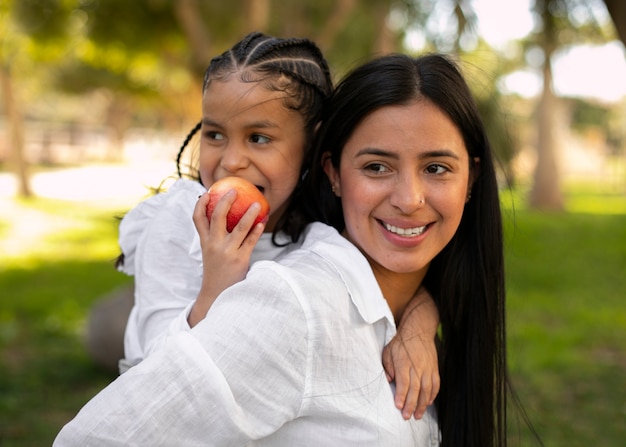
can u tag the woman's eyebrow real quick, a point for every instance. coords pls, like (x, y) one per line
(376, 151)
(440, 153)
(429, 154)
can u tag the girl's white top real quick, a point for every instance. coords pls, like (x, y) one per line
(291, 356)
(162, 250)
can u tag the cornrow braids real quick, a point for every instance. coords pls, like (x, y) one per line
(261, 57)
(188, 138)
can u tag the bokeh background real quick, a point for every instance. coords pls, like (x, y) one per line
(96, 97)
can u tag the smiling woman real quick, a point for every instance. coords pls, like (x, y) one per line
(406, 150)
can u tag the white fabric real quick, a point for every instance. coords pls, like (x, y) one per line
(288, 357)
(162, 249)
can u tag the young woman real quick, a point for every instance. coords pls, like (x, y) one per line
(262, 101)
(290, 355)
(405, 200)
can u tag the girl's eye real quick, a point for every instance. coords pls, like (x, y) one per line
(214, 135)
(436, 169)
(376, 168)
(259, 139)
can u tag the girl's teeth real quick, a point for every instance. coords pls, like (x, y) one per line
(408, 232)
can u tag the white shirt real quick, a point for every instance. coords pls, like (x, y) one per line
(288, 357)
(162, 249)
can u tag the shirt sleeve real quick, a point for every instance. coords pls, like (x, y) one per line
(237, 376)
(167, 279)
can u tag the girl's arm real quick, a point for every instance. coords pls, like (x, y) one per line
(225, 256)
(155, 238)
(410, 358)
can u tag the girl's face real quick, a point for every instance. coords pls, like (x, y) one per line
(403, 180)
(247, 132)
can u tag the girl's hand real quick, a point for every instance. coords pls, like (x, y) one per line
(410, 358)
(225, 256)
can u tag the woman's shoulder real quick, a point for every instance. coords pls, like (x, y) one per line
(327, 264)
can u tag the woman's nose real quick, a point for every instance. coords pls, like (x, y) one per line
(234, 157)
(408, 194)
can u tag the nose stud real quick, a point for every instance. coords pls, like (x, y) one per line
(421, 201)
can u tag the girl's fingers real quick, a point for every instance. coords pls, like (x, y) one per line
(245, 233)
(200, 218)
(246, 222)
(217, 219)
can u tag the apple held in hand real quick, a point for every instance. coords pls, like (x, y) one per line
(247, 194)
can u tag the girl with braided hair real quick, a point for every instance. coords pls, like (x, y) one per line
(262, 102)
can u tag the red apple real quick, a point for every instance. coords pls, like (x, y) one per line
(247, 194)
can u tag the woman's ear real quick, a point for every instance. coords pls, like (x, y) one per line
(331, 173)
(473, 175)
(474, 171)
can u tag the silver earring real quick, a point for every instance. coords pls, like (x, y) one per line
(469, 196)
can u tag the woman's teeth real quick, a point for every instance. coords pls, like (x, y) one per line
(407, 232)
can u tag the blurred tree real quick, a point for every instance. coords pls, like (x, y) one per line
(562, 22)
(15, 129)
(546, 189)
(11, 59)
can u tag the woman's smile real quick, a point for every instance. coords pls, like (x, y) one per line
(404, 231)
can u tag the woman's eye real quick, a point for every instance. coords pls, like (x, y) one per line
(259, 139)
(436, 169)
(376, 168)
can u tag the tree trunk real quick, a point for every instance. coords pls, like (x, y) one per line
(385, 39)
(617, 11)
(337, 21)
(15, 124)
(194, 28)
(257, 15)
(118, 120)
(546, 191)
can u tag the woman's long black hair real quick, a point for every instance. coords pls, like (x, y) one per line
(466, 279)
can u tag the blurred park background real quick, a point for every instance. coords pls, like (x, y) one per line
(97, 95)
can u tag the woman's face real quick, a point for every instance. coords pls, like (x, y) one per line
(403, 180)
(248, 132)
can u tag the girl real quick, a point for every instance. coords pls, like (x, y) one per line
(289, 356)
(262, 101)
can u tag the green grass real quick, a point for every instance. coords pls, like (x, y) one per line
(566, 279)
(49, 278)
(567, 318)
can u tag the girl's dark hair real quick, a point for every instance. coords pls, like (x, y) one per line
(466, 279)
(294, 66)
